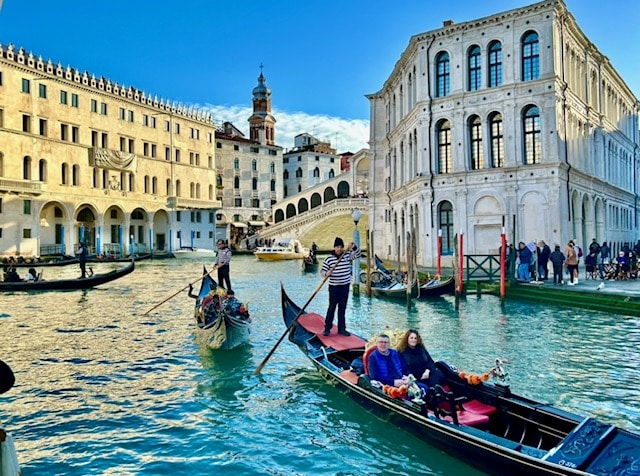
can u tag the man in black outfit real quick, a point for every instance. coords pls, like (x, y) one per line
(82, 257)
(223, 260)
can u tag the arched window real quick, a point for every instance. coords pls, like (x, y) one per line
(497, 139)
(285, 175)
(299, 172)
(154, 185)
(331, 173)
(443, 137)
(254, 184)
(210, 192)
(474, 68)
(254, 165)
(442, 74)
(316, 172)
(169, 190)
(495, 64)
(1, 160)
(445, 224)
(530, 56)
(26, 168)
(197, 190)
(273, 185)
(146, 184)
(236, 164)
(95, 178)
(219, 181)
(475, 143)
(65, 174)
(532, 135)
(236, 182)
(272, 168)
(42, 170)
(192, 190)
(178, 188)
(132, 182)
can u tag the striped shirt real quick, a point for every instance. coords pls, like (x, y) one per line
(342, 273)
(223, 258)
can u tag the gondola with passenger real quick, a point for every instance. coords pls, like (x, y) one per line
(90, 281)
(221, 322)
(481, 423)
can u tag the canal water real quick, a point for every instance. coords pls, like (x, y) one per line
(104, 390)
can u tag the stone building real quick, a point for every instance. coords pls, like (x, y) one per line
(513, 120)
(310, 162)
(85, 158)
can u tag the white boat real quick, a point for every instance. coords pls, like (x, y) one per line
(191, 252)
(284, 248)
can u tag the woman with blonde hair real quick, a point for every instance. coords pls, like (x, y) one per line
(418, 360)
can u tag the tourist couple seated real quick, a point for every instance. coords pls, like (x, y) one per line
(394, 367)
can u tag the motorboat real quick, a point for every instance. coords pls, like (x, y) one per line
(284, 248)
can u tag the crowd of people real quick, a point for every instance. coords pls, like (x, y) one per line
(532, 262)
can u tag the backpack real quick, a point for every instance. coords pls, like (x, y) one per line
(579, 252)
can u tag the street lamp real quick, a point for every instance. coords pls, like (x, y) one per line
(355, 216)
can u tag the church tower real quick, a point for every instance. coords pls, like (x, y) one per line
(262, 125)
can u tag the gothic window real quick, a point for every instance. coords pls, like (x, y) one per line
(442, 74)
(443, 137)
(236, 182)
(445, 224)
(495, 64)
(532, 135)
(474, 67)
(475, 142)
(497, 140)
(530, 56)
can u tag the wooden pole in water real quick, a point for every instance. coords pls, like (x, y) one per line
(369, 256)
(439, 268)
(408, 273)
(503, 271)
(456, 276)
(461, 266)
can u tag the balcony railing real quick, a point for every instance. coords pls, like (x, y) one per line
(21, 186)
(187, 203)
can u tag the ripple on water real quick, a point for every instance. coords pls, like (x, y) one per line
(103, 389)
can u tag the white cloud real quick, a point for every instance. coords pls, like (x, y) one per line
(344, 134)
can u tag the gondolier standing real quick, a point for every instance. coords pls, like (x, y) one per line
(339, 282)
(82, 254)
(223, 261)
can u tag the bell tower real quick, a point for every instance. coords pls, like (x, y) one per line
(262, 125)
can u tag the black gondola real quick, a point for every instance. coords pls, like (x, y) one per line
(505, 434)
(67, 284)
(227, 331)
(41, 262)
(438, 287)
(310, 264)
(113, 259)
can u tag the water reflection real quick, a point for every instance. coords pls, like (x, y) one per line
(96, 376)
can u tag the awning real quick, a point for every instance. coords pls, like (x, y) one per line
(238, 224)
(256, 223)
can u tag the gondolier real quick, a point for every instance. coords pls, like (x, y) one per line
(340, 279)
(223, 262)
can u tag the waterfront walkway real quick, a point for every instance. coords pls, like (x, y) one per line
(630, 287)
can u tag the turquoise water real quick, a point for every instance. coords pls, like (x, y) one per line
(103, 390)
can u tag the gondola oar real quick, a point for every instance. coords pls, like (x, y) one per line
(178, 292)
(324, 280)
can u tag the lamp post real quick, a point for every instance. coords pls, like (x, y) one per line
(356, 262)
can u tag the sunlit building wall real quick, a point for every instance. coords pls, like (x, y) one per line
(513, 120)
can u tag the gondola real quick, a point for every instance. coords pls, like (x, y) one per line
(40, 262)
(483, 424)
(113, 259)
(386, 286)
(437, 287)
(310, 265)
(68, 284)
(227, 331)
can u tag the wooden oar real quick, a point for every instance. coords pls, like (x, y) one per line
(178, 292)
(326, 277)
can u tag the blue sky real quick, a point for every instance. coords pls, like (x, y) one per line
(320, 57)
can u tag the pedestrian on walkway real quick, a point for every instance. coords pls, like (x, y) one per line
(571, 263)
(557, 259)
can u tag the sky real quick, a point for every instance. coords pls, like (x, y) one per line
(320, 58)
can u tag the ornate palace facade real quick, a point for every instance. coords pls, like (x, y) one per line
(84, 158)
(512, 120)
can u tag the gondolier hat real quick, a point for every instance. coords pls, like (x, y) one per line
(338, 242)
(7, 379)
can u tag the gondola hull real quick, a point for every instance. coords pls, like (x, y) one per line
(309, 267)
(389, 289)
(520, 436)
(226, 332)
(68, 284)
(124, 259)
(63, 261)
(434, 288)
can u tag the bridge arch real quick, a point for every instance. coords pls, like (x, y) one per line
(279, 216)
(316, 200)
(291, 210)
(329, 194)
(303, 205)
(343, 189)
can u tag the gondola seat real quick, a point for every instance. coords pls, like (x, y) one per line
(365, 358)
(446, 407)
(479, 408)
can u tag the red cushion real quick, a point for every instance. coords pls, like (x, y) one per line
(365, 358)
(469, 419)
(479, 408)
